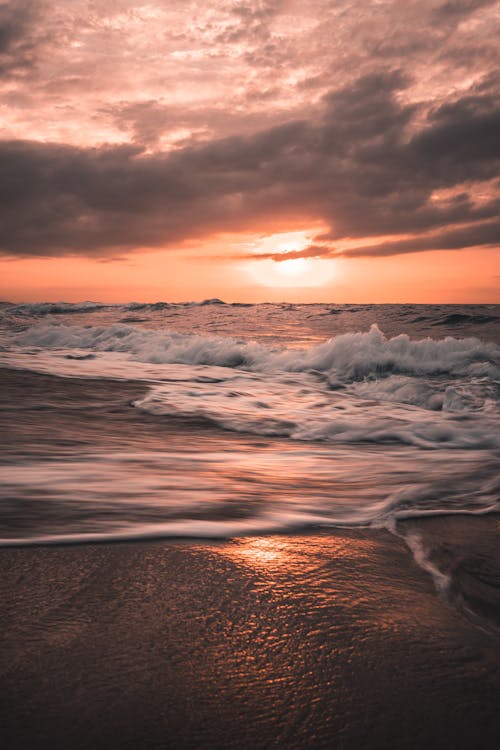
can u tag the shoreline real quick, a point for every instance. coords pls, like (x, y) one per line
(450, 549)
(332, 639)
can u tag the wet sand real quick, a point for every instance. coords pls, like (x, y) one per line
(337, 640)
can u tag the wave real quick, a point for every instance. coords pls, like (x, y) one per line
(346, 358)
(56, 308)
(301, 409)
(154, 306)
(456, 319)
(280, 517)
(355, 388)
(68, 308)
(148, 306)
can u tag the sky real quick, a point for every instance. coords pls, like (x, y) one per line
(253, 151)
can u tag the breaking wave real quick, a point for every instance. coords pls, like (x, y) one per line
(55, 308)
(345, 358)
(354, 388)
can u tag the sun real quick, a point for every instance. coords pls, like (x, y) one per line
(294, 267)
(295, 272)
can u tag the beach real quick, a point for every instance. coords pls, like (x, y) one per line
(333, 638)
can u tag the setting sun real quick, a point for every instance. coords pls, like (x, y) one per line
(276, 261)
(299, 272)
(294, 267)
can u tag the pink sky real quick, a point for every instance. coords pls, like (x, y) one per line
(182, 150)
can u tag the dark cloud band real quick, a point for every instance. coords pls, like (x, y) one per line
(364, 162)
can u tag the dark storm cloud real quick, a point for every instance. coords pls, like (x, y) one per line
(365, 162)
(389, 167)
(487, 233)
(465, 132)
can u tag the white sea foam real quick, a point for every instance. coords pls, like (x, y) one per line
(302, 409)
(348, 357)
(356, 387)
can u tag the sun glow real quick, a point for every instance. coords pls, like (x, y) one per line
(269, 270)
(294, 267)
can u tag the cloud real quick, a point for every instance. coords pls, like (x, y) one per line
(311, 251)
(363, 166)
(17, 37)
(387, 132)
(456, 9)
(487, 233)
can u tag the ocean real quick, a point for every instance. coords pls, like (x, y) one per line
(276, 418)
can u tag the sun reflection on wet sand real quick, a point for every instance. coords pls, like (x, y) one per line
(292, 554)
(262, 552)
(340, 575)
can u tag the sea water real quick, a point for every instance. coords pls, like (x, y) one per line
(263, 418)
